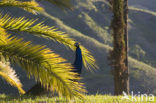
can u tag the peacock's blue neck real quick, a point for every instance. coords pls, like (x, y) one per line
(78, 60)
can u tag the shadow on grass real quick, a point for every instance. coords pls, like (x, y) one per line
(13, 97)
(38, 99)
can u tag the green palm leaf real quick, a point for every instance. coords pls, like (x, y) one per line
(7, 73)
(30, 6)
(39, 29)
(47, 67)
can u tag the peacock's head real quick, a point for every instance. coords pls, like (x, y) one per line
(77, 44)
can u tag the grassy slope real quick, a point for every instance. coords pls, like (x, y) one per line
(146, 4)
(89, 99)
(143, 10)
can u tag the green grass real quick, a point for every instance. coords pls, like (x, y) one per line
(89, 99)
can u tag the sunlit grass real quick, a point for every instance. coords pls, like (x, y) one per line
(89, 99)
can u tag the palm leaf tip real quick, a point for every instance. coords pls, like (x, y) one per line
(10, 76)
(88, 60)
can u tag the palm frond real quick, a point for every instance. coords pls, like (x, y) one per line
(39, 29)
(7, 73)
(88, 59)
(30, 6)
(47, 67)
(3, 36)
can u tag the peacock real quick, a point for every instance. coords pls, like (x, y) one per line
(78, 60)
(38, 89)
